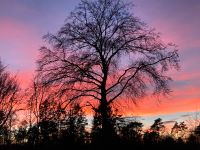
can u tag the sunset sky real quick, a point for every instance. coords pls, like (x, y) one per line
(24, 22)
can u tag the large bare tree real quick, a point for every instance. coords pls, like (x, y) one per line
(103, 53)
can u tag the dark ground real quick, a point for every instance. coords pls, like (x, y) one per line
(101, 147)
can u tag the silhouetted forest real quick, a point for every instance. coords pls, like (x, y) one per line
(58, 128)
(101, 55)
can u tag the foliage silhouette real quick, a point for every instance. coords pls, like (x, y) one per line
(197, 130)
(152, 136)
(178, 130)
(33, 135)
(47, 124)
(116, 122)
(132, 133)
(75, 123)
(21, 135)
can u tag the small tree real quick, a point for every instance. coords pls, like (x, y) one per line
(75, 125)
(96, 132)
(179, 130)
(194, 137)
(153, 134)
(4, 133)
(157, 126)
(183, 129)
(9, 91)
(175, 130)
(132, 133)
(116, 123)
(47, 124)
(21, 135)
(33, 135)
(36, 94)
(197, 130)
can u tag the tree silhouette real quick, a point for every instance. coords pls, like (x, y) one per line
(179, 130)
(183, 128)
(153, 135)
(75, 125)
(168, 140)
(47, 124)
(116, 123)
(4, 132)
(103, 53)
(9, 90)
(157, 126)
(197, 130)
(36, 95)
(21, 135)
(96, 132)
(194, 137)
(33, 135)
(175, 130)
(132, 132)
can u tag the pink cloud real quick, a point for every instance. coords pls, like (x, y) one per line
(177, 32)
(186, 76)
(177, 21)
(10, 29)
(21, 36)
(19, 48)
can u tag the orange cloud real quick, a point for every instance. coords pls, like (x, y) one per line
(151, 106)
(25, 78)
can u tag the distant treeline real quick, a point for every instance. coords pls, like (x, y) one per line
(72, 130)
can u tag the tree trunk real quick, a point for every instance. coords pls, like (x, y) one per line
(107, 126)
(105, 110)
